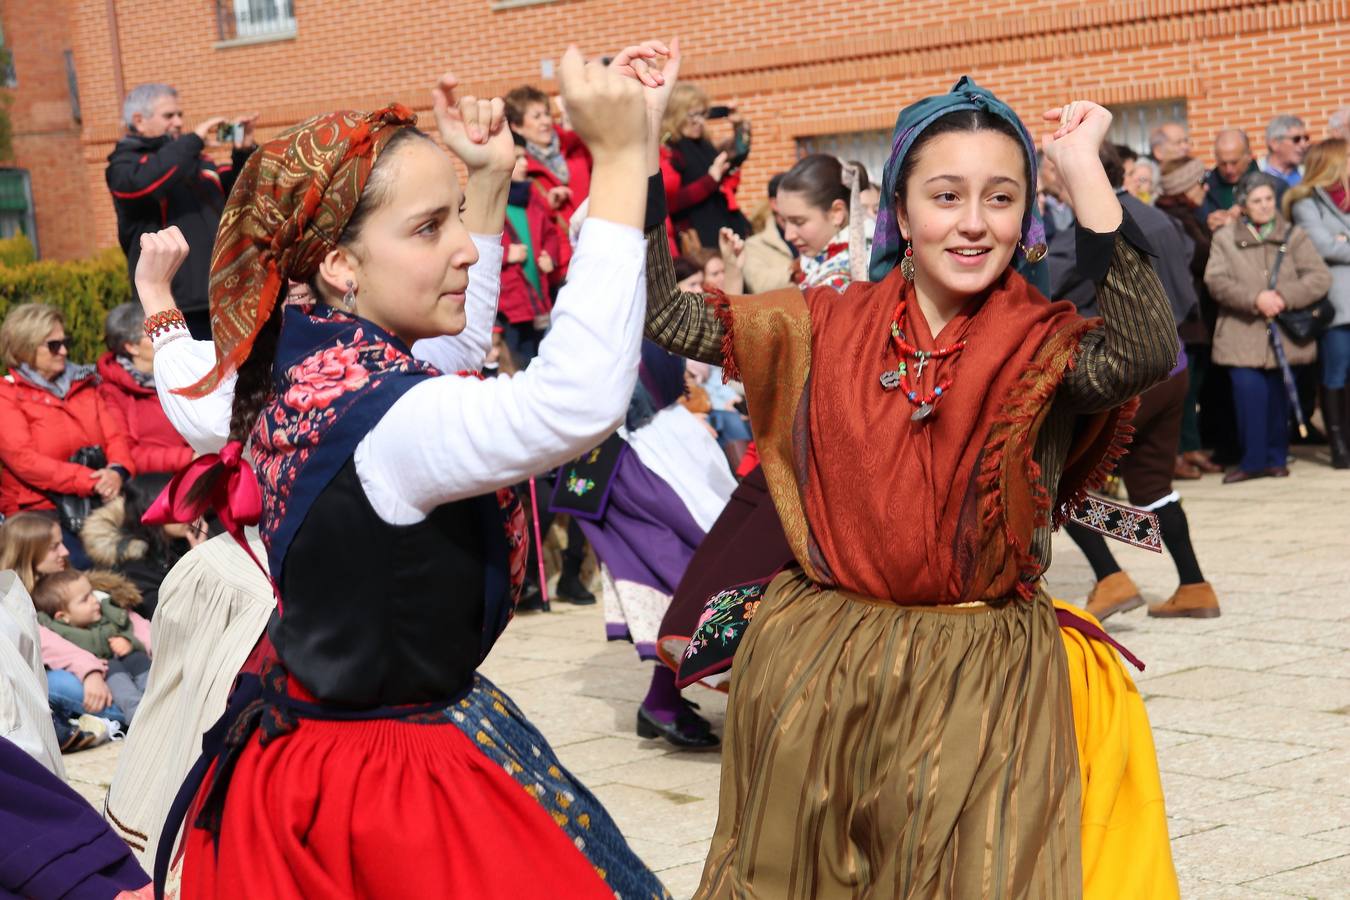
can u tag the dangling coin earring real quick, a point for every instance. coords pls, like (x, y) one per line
(907, 263)
(349, 298)
(1035, 253)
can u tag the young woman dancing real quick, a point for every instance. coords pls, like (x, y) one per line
(367, 757)
(900, 720)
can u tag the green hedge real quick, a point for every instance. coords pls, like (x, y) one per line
(17, 251)
(84, 290)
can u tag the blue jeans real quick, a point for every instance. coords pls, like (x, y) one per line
(1262, 408)
(1334, 348)
(65, 695)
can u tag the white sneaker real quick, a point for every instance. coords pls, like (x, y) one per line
(104, 730)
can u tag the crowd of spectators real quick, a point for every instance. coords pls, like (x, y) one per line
(1250, 241)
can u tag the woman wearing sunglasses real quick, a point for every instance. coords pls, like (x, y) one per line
(49, 410)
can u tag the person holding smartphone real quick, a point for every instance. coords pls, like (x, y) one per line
(160, 176)
(701, 177)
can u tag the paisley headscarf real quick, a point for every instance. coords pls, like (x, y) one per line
(288, 209)
(888, 245)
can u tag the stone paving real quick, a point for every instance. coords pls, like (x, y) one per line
(1251, 711)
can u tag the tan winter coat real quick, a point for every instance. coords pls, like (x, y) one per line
(1239, 269)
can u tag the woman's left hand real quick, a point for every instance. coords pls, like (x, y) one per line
(475, 130)
(1082, 129)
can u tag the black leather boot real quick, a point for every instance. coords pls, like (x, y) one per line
(1333, 411)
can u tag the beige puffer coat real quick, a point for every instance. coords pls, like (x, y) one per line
(1239, 269)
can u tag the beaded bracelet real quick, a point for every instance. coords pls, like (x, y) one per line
(162, 322)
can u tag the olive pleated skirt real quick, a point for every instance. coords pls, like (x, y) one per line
(880, 751)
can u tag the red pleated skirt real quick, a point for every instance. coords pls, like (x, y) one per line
(381, 808)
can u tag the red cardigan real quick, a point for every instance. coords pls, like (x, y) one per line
(578, 169)
(38, 434)
(155, 446)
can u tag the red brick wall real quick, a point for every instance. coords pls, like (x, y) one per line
(46, 136)
(796, 67)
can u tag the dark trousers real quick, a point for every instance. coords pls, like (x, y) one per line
(522, 339)
(1197, 357)
(1262, 409)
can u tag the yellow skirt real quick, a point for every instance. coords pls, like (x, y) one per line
(1126, 853)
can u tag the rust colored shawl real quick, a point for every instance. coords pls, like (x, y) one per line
(287, 210)
(935, 512)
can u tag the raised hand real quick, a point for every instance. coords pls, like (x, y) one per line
(609, 114)
(1082, 128)
(731, 246)
(1074, 147)
(162, 253)
(207, 130)
(657, 68)
(719, 167)
(247, 141)
(474, 129)
(606, 108)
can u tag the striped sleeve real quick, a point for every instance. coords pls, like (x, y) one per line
(1136, 348)
(680, 321)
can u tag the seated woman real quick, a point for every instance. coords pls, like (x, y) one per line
(127, 371)
(50, 411)
(77, 685)
(361, 739)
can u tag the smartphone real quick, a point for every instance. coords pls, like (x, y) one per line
(230, 132)
(720, 112)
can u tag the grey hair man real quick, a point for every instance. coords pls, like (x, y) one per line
(159, 175)
(1169, 141)
(1287, 141)
(1339, 124)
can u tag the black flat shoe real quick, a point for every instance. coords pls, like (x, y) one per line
(531, 600)
(1278, 472)
(571, 590)
(1237, 475)
(689, 731)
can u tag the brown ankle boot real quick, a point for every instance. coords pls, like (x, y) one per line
(1114, 593)
(1191, 601)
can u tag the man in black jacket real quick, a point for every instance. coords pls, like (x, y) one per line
(158, 177)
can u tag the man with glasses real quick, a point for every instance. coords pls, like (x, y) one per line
(1169, 141)
(1286, 142)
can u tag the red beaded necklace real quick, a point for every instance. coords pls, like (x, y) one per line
(899, 376)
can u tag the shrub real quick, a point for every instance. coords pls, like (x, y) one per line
(17, 251)
(84, 290)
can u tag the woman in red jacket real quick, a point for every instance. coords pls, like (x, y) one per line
(49, 409)
(127, 371)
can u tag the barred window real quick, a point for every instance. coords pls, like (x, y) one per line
(243, 19)
(871, 148)
(1133, 124)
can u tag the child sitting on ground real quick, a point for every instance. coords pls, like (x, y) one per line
(68, 605)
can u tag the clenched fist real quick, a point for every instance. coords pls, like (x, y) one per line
(162, 253)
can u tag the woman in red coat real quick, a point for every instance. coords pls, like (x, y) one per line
(127, 371)
(49, 409)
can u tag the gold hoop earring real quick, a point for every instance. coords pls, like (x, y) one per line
(1035, 253)
(349, 298)
(907, 263)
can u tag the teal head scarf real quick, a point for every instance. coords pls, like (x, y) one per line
(888, 245)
